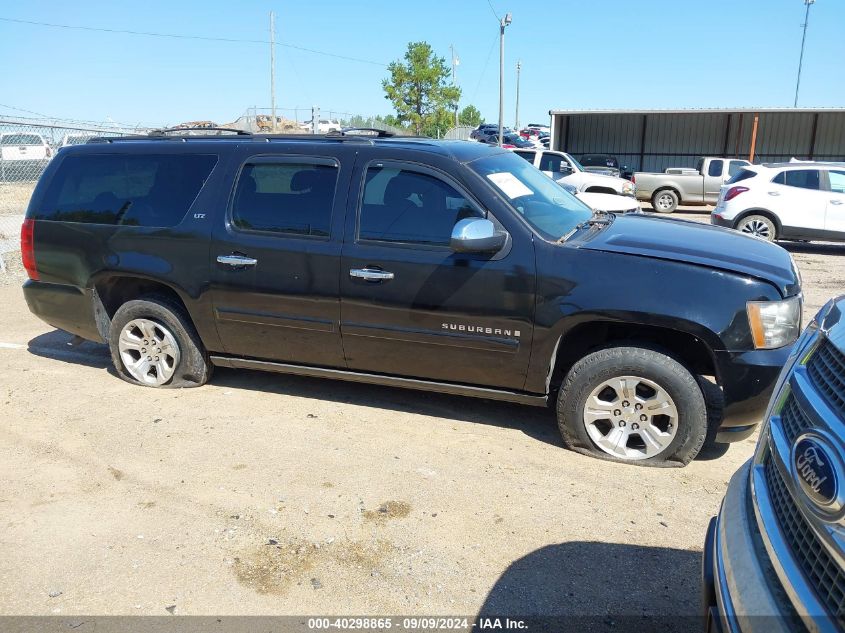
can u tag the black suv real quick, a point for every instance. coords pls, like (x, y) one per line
(444, 266)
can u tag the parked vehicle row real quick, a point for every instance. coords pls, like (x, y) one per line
(444, 266)
(790, 201)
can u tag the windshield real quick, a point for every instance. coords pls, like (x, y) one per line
(546, 206)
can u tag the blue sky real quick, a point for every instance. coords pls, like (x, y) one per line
(599, 54)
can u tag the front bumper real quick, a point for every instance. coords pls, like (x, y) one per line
(740, 589)
(747, 380)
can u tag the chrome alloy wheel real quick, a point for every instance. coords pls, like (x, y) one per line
(148, 351)
(757, 228)
(665, 201)
(631, 418)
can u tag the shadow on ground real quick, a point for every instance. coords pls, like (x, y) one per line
(56, 345)
(813, 248)
(593, 586)
(537, 422)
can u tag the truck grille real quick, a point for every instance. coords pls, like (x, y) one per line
(827, 370)
(821, 570)
(794, 420)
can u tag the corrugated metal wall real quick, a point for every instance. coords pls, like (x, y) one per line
(655, 141)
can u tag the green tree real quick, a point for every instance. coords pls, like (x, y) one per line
(470, 116)
(419, 90)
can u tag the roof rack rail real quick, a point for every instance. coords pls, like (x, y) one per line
(361, 131)
(169, 130)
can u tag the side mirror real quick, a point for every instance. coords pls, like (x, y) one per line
(477, 235)
(565, 169)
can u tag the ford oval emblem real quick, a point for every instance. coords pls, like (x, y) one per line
(818, 470)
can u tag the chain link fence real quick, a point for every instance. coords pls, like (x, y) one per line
(26, 148)
(460, 133)
(299, 121)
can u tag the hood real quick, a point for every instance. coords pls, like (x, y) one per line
(695, 243)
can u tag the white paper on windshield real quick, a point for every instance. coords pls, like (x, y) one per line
(510, 184)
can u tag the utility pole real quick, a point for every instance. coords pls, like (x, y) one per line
(273, 69)
(455, 62)
(518, 68)
(505, 21)
(807, 3)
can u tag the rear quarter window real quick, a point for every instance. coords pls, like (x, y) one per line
(742, 174)
(130, 190)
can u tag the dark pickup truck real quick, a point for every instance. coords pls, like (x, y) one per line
(443, 266)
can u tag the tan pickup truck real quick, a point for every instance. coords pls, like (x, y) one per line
(679, 185)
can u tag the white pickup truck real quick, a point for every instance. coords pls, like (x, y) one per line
(560, 166)
(23, 156)
(686, 186)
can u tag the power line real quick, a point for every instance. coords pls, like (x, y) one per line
(490, 4)
(180, 36)
(484, 70)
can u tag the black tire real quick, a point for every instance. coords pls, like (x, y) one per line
(664, 201)
(675, 379)
(193, 368)
(759, 226)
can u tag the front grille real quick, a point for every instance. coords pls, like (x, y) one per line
(821, 570)
(793, 419)
(827, 371)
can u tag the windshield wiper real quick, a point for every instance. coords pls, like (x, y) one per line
(600, 218)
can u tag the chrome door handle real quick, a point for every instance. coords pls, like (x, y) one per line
(836, 202)
(370, 274)
(774, 193)
(236, 260)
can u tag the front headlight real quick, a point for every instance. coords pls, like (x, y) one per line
(629, 188)
(774, 323)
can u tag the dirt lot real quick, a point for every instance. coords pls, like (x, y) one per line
(266, 494)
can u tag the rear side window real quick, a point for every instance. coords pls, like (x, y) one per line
(801, 178)
(131, 190)
(715, 168)
(837, 181)
(529, 156)
(742, 174)
(286, 197)
(408, 206)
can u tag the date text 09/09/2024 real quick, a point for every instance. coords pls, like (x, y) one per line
(417, 624)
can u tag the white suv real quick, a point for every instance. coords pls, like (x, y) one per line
(562, 167)
(798, 201)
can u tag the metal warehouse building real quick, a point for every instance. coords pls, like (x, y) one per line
(652, 140)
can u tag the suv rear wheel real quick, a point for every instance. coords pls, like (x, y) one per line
(632, 404)
(154, 344)
(758, 226)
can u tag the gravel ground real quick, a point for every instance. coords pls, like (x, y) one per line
(266, 494)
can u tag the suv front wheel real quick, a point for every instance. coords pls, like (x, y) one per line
(632, 404)
(154, 344)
